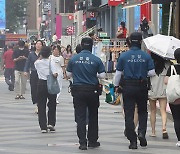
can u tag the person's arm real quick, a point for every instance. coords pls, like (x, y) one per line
(27, 65)
(18, 59)
(101, 75)
(3, 61)
(151, 73)
(101, 70)
(117, 78)
(63, 67)
(25, 55)
(53, 68)
(166, 80)
(69, 74)
(15, 57)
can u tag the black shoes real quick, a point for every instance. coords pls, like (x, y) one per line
(90, 145)
(51, 128)
(93, 144)
(142, 139)
(83, 147)
(133, 145)
(11, 87)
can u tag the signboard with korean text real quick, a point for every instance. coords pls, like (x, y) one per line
(2, 15)
(115, 2)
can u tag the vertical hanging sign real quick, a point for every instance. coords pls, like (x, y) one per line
(2, 15)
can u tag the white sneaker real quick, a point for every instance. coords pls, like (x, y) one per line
(36, 110)
(44, 131)
(178, 144)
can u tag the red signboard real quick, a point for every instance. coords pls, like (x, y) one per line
(115, 2)
(70, 17)
(70, 30)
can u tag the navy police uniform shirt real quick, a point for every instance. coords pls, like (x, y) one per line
(84, 68)
(135, 64)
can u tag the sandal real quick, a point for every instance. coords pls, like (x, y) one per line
(21, 97)
(17, 97)
(152, 135)
(165, 134)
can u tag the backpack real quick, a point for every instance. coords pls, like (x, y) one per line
(173, 87)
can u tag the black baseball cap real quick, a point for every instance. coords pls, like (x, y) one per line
(87, 41)
(135, 37)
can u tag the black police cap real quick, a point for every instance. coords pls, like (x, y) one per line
(87, 41)
(136, 37)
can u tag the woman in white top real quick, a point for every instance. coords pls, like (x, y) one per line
(157, 92)
(42, 67)
(58, 61)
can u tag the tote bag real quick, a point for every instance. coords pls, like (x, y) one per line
(52, 82)
(173, 87)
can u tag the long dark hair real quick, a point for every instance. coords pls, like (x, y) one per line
(159, 63)
(69, 46)
(177, 55)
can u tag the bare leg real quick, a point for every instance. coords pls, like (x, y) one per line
(153, 116)
(163, 104)
(136, 116)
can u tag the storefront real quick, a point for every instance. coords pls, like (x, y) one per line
(139, 9)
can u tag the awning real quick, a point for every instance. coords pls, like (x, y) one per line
(103, 7)
(131, 3)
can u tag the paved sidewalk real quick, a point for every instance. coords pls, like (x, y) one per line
(20, 133)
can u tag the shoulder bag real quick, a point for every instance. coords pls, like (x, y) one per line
(173, 87)
(52, 82)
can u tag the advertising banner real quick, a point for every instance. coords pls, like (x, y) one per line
(115, 2)
(2, 15)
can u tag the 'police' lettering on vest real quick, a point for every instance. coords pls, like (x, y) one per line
(82, 61)
(135, 59)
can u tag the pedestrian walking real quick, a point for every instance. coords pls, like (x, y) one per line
(144, 27)
(135, 65)
(29, 67)
(175, 109)
(8, 65)
(85, 69)
(157, 93)
(42, 67)
(20, 56)
(122, 31)
(54, 39)
(58, 61)
(128, 43)
(67, 54)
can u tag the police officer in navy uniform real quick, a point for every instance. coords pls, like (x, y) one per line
(85, 69)
(135, 65)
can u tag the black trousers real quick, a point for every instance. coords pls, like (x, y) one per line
(33, 84)
(9, 76)
(42, 96)
(135, 94)
(175, 109)
(83, 100)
